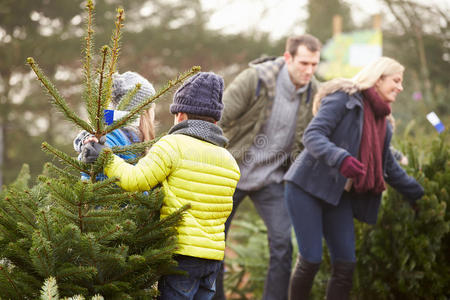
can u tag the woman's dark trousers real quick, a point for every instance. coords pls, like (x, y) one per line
(313, 219)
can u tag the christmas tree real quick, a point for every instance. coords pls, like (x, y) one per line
(85, 237)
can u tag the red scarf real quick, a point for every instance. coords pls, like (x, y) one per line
(372, 142)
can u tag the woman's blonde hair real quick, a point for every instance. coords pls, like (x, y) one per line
(147, 124)
(366, 78)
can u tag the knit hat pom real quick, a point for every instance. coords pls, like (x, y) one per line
(200, 95)
(124, 83)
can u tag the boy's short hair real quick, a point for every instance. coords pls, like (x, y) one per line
(201, 95)
(203, 118)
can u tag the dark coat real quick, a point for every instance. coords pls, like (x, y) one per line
(333, 134)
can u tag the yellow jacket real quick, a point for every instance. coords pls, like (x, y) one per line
(190, 171)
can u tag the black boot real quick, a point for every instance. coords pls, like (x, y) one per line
(340, 283)
(302, 279)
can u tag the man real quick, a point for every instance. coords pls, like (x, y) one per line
(267, 108)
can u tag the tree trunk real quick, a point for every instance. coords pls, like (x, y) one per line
(1, 153)
(4, 112)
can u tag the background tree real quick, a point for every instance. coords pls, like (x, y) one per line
(35, 27)
(421, 31)
(320, 17)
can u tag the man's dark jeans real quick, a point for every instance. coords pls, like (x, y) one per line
(199, 283)
(270, 205)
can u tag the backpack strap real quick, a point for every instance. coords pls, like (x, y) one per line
(309, 92)
(258, 88)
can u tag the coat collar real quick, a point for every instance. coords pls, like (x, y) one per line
(356, 99)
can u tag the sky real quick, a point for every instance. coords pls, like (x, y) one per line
(281, 17)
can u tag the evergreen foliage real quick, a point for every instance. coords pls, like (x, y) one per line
(407, 253)
(85, 237)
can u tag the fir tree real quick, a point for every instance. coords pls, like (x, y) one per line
(86, 237)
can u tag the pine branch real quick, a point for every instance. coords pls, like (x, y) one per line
(79, 272)
(133, 148)
(80, 216)
(98, 214)
(65, 212)
(137, 150)
(47, 259)
(47, 229)
(116, 229)
(6, 233)
(161, 254)
(126, 119)
(56, 189)
(50, 290)
(57, 99)
(25, 194)
(173, 218)
(105, 157)
(63, 157)
(92, 255)
(49, 167)
(100, 104)
(115, 48)
(41, 261)
(127, 98)
(76, 297)
(11, 282)
(107, 199)
(100, 185)
(166, 252)
(27, 204)
(20, 213)
(88, 52)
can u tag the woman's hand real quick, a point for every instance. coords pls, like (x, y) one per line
(352, 168)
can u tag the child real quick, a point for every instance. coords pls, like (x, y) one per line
(145, 131)
(193, 168)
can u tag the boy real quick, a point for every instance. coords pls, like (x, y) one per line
(193, 167)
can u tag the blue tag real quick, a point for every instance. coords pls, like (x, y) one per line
(435, 121)
(113, 115)
(109, 116)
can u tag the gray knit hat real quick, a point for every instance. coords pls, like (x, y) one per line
(200, 95)
(123, 83)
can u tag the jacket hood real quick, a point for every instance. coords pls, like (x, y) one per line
(268, 69)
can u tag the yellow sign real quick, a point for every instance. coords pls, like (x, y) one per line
(346, 53)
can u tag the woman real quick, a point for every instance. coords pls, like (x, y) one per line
(342, 173)
(145, 129)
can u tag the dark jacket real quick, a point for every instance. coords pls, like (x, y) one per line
(333, 134)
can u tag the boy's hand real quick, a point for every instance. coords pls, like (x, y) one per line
(90, 151)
